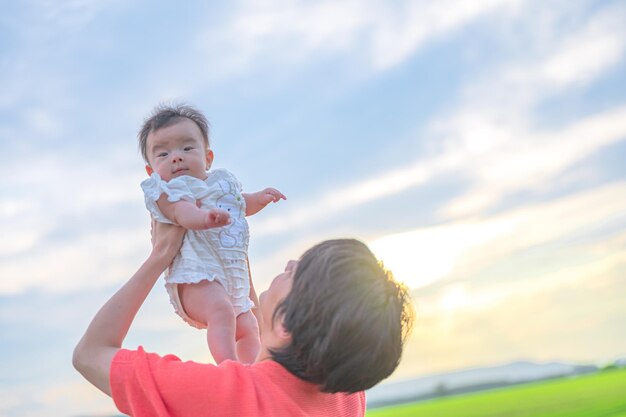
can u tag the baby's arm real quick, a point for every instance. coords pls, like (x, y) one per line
(255, 202)
(190, 216)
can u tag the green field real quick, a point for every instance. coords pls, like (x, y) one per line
(598, 395)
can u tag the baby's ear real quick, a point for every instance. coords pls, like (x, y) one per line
(149, 170)
(209, 159)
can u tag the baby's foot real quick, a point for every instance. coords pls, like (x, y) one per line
(217, 218)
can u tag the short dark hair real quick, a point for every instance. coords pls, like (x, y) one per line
(165, 115)
(348, 318)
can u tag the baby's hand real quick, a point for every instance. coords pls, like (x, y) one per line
(269, 195)
(256, 202)
(217, 218)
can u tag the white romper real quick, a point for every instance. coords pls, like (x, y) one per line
(218, 253)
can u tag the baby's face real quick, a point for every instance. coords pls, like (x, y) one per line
(176, 150)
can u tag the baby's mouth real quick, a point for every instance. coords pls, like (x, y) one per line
(179, 171)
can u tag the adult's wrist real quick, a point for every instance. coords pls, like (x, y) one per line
(160, 258)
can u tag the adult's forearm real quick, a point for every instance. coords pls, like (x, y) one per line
(104, 336)
(110, 325)
(256, 310)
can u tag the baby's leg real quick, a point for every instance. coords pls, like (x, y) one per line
(208, 302)
(248, 343)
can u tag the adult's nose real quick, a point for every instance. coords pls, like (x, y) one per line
(291, 265)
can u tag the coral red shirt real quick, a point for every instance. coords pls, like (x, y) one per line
(146, 384)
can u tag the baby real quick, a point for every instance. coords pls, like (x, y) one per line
(209, 282)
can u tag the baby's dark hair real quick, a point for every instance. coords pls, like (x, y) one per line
(348, 318)
(165, 115)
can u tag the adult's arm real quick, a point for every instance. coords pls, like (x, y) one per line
(104, 336)
(256, 309)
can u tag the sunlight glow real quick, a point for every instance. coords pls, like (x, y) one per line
(423, 256)
(454, 298)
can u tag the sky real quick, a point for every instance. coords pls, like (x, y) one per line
(477, 147)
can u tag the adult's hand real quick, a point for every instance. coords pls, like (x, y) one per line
(166, 240)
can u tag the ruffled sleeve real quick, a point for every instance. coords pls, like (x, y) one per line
(181, 188)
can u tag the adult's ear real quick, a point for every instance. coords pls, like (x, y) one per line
(149, 170)
(281, 334)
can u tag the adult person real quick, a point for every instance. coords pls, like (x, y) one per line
(333, 324)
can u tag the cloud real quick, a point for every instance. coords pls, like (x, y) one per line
(294, 31)
(58, 399)
(396, 39)
(563, 46)
(351, 195)
(533, 159)
(40, 33)
(463, 248)
(64, 220)
(78, 395)
(490, 139)
(87, 261)
(66, 14)
(493, 127)
(493, 148)
(43, 122)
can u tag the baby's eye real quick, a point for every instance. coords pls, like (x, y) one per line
(162, 154)
(188, 148)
